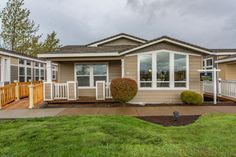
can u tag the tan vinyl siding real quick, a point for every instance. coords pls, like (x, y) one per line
(195, 63)
(14, 60)
(121, 41)
(14, 73)
(130, 67)
(65, 72)
(87, 92)
(164, 96)
(114, 70)
(228, 71)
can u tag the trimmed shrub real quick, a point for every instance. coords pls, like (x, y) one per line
(123, 89)
(190, 97)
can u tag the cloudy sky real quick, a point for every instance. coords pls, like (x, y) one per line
(209, 23)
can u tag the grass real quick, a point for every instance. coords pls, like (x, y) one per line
(89, 136)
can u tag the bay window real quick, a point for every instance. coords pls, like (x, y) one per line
(88, 74)
(146, 70)
(180, 70)
(163, 70)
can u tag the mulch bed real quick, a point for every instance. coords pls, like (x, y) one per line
(169, 121)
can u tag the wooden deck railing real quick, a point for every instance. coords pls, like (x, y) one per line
(7, 94)
(23, 89)
(37, 94)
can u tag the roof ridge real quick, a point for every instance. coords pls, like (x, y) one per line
(116, 35)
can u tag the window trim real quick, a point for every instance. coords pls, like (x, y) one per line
(91, 76)
(39, 67)
(25, 66)
(172, 81)
(205, 66)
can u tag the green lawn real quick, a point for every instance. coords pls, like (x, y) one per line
(89, 136)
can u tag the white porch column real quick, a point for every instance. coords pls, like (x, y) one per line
(122, 68)
(49, 71)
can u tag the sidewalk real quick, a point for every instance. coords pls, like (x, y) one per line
(130, 111)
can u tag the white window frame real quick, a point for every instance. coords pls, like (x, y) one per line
(205, 66)
(172, 72)
(25, 66)
(91, 76)
(39, 67)
(54, 73)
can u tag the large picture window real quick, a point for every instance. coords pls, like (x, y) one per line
(88, 74)
(146, 70)
(163, 70)
(180, 70)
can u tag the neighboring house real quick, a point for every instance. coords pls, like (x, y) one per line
(16, 66)
(162, 68)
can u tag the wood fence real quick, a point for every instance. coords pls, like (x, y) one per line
(7, 94)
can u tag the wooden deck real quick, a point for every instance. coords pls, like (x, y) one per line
(222, 98)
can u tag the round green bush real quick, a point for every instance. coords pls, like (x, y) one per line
(191, 97)
(123, 89)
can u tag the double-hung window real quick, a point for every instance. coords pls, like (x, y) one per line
(39, 71)
(25, 70)
(208, 63)
(163, 70)
(88, 74)
(54, 73)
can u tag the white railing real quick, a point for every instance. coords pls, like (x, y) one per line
(208, 86)
(224, 88)
(227, 88)
(60, 91)
(108, 90)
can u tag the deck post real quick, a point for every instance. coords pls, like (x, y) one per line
(219, 86)
(122, 68)
(17, 90)
(31, 96)
(215, 85)
(0, 99)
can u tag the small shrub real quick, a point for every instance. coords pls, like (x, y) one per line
(123, 89)
(190, 97)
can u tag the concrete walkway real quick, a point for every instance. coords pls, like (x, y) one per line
(130, 111)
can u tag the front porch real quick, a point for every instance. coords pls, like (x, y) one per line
(82, 81)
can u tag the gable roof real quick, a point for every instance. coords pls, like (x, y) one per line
(117, 36)
(170, 40)
(19, 55)
(93, 50)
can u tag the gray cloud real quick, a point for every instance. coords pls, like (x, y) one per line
(208, 23)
